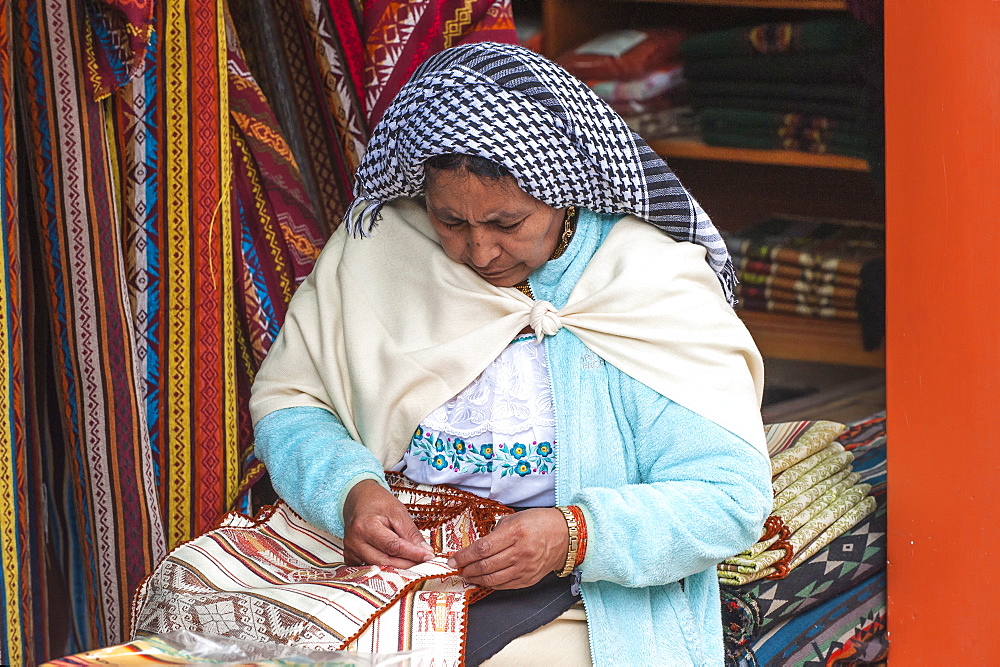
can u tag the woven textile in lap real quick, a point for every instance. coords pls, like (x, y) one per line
(277, 579)
(399, 36)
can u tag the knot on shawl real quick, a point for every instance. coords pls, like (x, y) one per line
(544, 320)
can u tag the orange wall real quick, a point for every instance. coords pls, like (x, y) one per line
(943, 350)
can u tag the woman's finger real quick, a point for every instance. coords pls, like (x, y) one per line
(379, 544)
(511, 577)
(484, 547)
(491, 564)
(368, 555)
(403, 526)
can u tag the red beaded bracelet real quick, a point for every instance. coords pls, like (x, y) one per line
(581, 527)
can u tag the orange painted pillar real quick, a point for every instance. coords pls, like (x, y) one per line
(943, 341)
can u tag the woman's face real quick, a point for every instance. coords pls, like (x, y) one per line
(493, 226)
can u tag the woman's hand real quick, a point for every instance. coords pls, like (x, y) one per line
(379, 531)
(523, 548)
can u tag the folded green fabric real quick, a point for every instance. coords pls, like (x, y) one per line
(838, 490)
(795, 520)
(847, 112)
(830, 34)
(766, 122)
(834, 67)
(847, 521)
(849, 146)
(763, 565)
(833, 93)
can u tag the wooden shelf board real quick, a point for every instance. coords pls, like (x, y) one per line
(692, 149)
(810, 339)
(834, 5)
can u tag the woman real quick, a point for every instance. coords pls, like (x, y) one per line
(516, 327)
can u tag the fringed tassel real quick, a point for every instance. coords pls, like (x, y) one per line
(362, 217)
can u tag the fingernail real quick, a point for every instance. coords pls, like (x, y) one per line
(452, 564)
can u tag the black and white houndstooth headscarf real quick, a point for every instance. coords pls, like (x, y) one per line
(561, 142)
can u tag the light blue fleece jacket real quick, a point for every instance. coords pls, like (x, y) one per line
(667, 494)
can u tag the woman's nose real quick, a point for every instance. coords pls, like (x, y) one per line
(482, 249)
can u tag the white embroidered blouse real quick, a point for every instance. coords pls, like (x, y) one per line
(496, 438)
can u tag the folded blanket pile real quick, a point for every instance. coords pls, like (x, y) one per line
(831, 608)
(793, 86)
(817, 498)
(639, 73)
(807, 266)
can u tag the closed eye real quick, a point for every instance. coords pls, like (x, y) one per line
(508, 227)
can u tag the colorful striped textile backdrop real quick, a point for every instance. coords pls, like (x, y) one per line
(164, 191)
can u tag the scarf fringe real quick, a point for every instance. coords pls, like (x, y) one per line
(360, 211)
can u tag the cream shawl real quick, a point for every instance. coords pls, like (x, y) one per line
(387, 329)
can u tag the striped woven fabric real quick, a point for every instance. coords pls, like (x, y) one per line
(104, 509)
(22, 552)
(308, 55)
(168, 232)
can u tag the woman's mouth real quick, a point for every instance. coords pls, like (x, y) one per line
(490, 274)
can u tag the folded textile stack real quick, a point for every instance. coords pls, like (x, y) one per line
(831, 609)
(792, 86)
(637, 72)
(806, 266)
(817, 498)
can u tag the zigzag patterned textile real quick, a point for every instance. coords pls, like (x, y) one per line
(308, 66)
(164, 229)
(399, 35)
(22, 550)
(561, 142)
(103, 507)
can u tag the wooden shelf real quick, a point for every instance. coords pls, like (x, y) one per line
(830, 5)
(810, 339)
(691, 149)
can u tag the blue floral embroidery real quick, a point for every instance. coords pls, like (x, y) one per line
(516, 459)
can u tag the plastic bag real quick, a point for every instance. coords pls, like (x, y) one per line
(183, 647)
